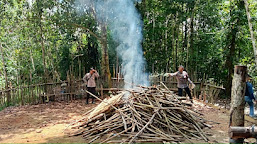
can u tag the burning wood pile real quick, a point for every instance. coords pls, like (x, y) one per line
(150, 115)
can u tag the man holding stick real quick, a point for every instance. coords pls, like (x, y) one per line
(182, 78)
(89, 80)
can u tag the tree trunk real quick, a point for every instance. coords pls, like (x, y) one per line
(32, 60)
(237, 98)
(251, 30)
(173, 41)
(229, 62)
(5, 75)
(56, 76)
(166, 44)
(177, 42)
(177, 47)
(232, 46)
(106, 74)
(40, 14)
(153, 34)
(43, 54)
(45, 76)
(185, 41)
(190, 57)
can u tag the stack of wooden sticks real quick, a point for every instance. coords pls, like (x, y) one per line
(148, 114)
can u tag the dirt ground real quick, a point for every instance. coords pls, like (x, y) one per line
(45, 123)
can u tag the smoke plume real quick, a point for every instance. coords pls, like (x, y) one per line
(125, 25)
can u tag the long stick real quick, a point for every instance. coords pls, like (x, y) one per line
(149, 122)
(169, 91)
(116, 135)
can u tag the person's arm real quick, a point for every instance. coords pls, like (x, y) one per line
(85, 79)
(172, 74)
(188, 79)
(96, 74)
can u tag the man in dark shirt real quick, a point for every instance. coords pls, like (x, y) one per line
(249, 96)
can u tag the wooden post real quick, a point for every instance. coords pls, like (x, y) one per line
(32, 95)
(102, 91)
(79, 68)
(203, 87)
(204, 93)
(113, 69)
(237, 99)
(84, 71)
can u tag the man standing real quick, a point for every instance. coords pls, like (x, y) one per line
(89, 80)
(249, 96)
(182, 78)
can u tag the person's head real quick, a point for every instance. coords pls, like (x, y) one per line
(181, 68)
(91, 71)
(248, 77)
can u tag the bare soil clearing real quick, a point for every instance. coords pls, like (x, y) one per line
(45, 123)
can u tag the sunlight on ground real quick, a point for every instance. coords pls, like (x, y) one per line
(45, 123)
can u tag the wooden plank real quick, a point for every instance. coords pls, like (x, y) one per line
(214, 86)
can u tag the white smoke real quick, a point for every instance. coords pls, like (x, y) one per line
(125, 25)
(30, 2)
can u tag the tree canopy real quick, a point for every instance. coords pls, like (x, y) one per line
(43, 41)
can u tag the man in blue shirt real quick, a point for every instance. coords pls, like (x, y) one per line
(249, 96)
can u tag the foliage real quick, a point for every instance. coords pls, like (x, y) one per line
(193, 33)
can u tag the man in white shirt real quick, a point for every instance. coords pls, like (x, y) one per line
(89, 80)
(182, 78)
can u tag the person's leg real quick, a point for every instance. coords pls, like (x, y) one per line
(188, 92)
(93, 92)
(88, 95)
(251, 105)
(180, 91)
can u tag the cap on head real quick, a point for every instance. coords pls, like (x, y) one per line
(248, 76)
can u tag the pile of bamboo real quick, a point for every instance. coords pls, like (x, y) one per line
(152, 114)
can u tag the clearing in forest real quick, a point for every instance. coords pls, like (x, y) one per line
(45, 123)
